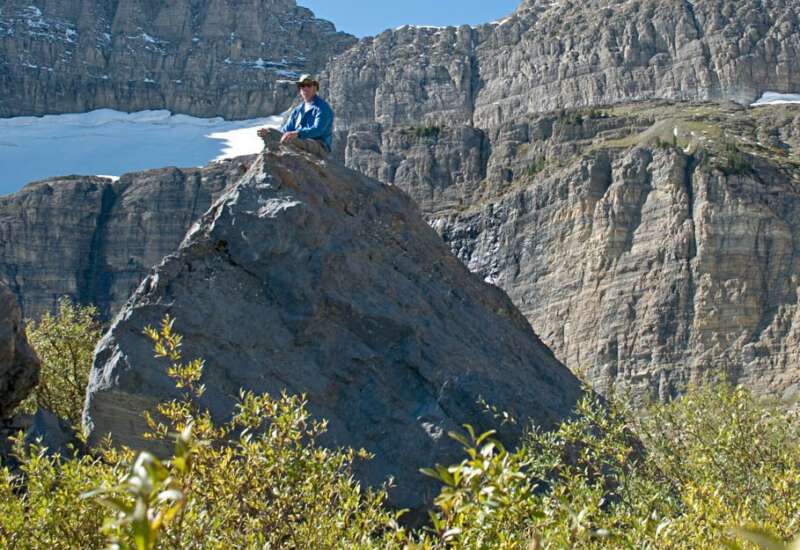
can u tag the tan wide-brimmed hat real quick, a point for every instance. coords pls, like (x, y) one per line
(307, 79)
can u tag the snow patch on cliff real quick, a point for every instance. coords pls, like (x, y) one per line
(775, 98)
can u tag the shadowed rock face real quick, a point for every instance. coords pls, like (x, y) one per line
(309, 277)
(19, 366)
(93, 239)
(208, 58)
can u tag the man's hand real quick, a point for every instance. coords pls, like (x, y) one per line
(289, 136)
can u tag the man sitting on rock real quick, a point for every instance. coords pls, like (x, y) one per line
(309, 127)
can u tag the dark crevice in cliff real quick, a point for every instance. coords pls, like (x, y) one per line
(198, 189)
(688, 180)
(485, 155)
(636, 209)
(94, 282)
(12, 282)
(475, 79)
(695, 24)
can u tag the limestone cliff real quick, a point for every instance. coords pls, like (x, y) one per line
(204, 58)
(93, 239)
(564, 54)
(650, 245)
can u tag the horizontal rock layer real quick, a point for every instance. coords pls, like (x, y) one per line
(93, 239)
(649, 245)
(555, 55)
(209, 58)
(311, 278)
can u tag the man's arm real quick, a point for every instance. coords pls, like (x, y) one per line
(289, 125)
(321, 125)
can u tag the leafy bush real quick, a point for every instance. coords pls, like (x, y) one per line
(258, 481)
(426, 131)
(535, 167)
(726, 459)
(596, 114)
(735, 161)
(686, 475)
(41, 505)
(570, 118)
(65, 344)
(715, 468)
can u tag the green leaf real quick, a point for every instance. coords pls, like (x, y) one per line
(760, 537)
(460, 438)
(484, 435)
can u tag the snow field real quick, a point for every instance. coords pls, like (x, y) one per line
(112, 143)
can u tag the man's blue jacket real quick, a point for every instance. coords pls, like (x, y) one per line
(316, 123)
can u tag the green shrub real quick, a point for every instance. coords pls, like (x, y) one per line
(535, 167)
(734, 161)
(570, 118)
(727, 460)
(596, 114)
(258, 481)
(714, 468)
(426, 131)
(686, 475)
(65, 344)
(41, 505)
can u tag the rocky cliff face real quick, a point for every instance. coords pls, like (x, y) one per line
(93, 239)
(641, 263)
(312, 278)
(554, 55)
(207, 58)
(650, 245)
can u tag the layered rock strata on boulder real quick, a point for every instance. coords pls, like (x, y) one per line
(206, 58)
(19, 366)
(93, 239)
(311, 278)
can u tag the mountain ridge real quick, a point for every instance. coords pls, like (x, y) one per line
(199, 58)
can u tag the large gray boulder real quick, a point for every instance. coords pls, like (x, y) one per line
(312, 278)
(19, 366)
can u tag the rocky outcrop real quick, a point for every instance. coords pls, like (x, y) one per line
(651, 246)
(19, 366)
(93, 239)
(526, 145)
(555, 55)
(208, 58)
(311, 278)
